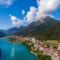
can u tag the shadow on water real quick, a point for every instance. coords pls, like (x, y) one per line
(0, 53)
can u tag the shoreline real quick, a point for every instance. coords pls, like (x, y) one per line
(33, 53)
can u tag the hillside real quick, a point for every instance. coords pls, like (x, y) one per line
(2, 34)
(49, 29)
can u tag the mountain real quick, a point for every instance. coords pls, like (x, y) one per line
(13, 30)
(49, 29)
(3, 30)
(2, 34)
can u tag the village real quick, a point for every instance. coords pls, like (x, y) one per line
(54, 53)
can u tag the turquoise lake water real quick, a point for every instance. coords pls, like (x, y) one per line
(11, 51)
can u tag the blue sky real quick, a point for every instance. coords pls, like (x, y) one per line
(19, 9)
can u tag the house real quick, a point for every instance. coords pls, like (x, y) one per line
(58, 47)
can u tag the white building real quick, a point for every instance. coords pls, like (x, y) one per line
(59, 47)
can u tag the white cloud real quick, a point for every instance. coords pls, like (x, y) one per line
(15, 21)
(23, 12)
(6, 3)
(31, 14)
(47, 6)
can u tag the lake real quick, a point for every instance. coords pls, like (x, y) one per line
(16, 51)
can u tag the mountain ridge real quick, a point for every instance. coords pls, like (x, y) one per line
(49, 29)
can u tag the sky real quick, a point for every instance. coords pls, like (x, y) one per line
(15, 13)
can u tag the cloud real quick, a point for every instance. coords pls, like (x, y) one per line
(23, 12)
(15, 21)
(31, 14)
(47, 6)
(44, 8)
(6, 3)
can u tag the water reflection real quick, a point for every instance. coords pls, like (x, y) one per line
(12, 52)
